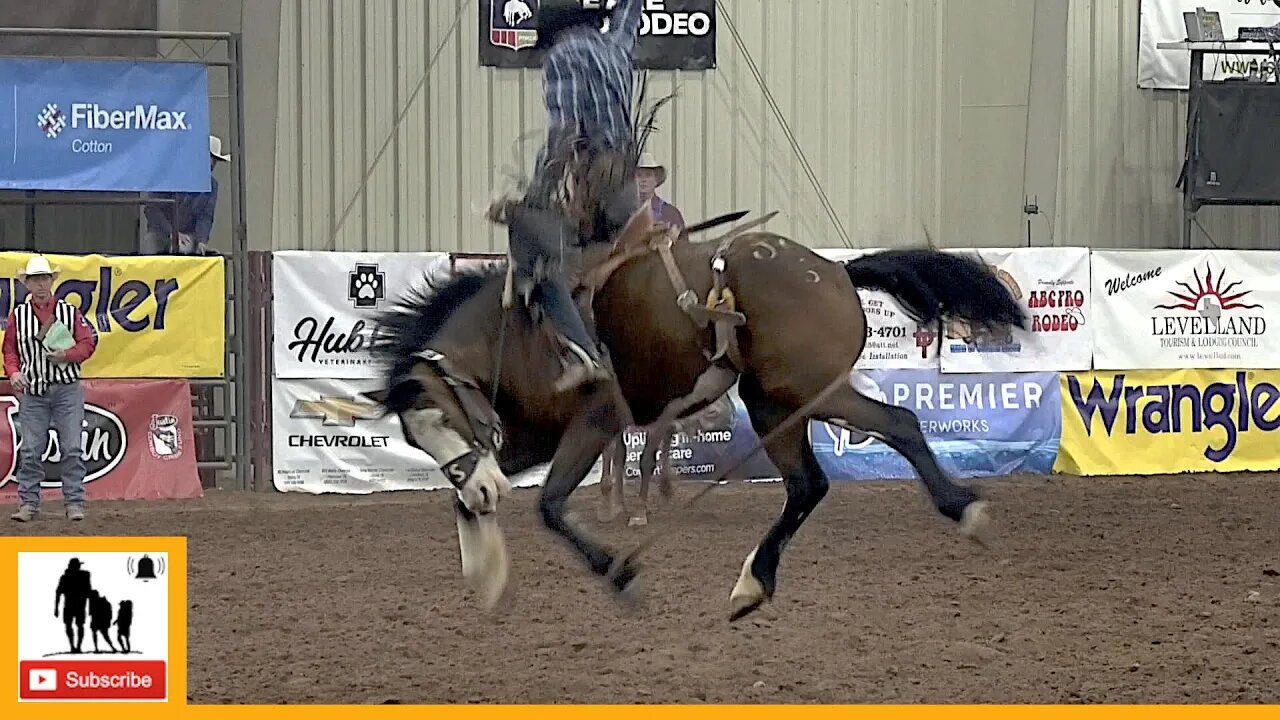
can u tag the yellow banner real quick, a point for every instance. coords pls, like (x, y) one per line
(1148, 422)
(156, 316)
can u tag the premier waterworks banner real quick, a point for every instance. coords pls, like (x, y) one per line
(137, 443)
(1052, 284)
(1186, 308)
(1161, 22)
(674, 34)
(155, 316)
(104, 125)
(1145, 422)
(326, 303)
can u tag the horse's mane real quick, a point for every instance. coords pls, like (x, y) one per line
(414, 320)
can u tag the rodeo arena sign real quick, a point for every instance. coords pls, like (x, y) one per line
(1133, 362)
(674, 34)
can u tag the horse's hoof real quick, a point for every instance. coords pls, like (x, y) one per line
(638, 521)
(748, 593)
(975, 523)
(743, 605)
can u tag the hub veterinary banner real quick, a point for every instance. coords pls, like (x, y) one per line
(155, 316)
(1169, 421)
(894, 340)
(326, 303)
(104, 125)
(137, 442)
(327, 438)
(1052, 284)
(1160, 21)
(1186, 309)
(674, 34)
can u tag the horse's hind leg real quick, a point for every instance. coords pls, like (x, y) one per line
(900, 429)
(657, 440)
(613, 464)
(805, 483)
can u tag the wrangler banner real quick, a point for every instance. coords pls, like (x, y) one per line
(137, 444)
(155, 316)
(1145, 422)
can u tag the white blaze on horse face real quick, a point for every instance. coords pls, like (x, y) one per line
(481, 492)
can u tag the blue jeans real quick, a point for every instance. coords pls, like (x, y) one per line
(61, 408)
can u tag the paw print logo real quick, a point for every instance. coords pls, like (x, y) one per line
(366, 286)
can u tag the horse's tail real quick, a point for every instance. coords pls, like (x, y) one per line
(931, 284)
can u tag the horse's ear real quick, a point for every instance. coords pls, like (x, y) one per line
(399, 396)
(377, 396)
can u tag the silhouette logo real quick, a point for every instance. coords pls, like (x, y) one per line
(512, 23)
(105, 636)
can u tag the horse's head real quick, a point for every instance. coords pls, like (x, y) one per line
(435, 345)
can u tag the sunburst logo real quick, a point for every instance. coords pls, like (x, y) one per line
(1210, 296)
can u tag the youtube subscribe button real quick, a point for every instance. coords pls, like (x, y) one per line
(92, 680)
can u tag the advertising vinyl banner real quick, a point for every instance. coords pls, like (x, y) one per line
(327, 438)
(325, 305)
(976, 425)
(1052, 284)
(138, 442)
(674, 34)
(155, 316)
(1143, 422)
(1168, 309)
(1161, 22)
(894, 340)
(104, 125)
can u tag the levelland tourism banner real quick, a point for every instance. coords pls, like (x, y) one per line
(138, 442)
(155, 316)
(1052, 284)
(104, 125)
(1169, 421)
(325, 305)
(894, 340)
(1168, 309)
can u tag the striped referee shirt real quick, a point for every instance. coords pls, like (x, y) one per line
(587, 81)
(24, 350)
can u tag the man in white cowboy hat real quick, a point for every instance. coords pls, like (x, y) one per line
(650, 175)
(45, 342)
(194, 215)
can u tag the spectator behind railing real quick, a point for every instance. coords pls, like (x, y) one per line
(194, 211)
(649, 177)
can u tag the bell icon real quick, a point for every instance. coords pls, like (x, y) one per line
(146, 569)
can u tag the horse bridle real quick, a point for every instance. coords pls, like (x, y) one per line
(486, 426)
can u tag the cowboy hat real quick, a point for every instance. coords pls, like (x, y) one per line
(647, 161)
(37, 265)
(215, 148)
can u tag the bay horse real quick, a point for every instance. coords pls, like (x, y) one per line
(804, 329)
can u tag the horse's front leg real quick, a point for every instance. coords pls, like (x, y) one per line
(586, 437)
(485, 564)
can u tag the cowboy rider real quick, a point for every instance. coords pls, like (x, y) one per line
(583, 189)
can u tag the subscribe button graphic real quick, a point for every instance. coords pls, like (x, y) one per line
(92, 680)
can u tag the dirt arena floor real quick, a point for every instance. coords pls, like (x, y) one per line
(1099, 590)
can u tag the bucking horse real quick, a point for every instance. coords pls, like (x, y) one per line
(680, 323)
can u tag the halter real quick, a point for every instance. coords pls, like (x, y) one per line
(486, 426)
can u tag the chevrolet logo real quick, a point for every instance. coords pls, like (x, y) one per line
(342, 411)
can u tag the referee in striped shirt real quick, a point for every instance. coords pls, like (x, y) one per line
(587, 88)
(49, 385)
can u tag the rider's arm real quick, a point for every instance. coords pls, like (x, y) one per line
(624, 22)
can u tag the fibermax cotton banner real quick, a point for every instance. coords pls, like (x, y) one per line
(1169, 421)
(155, 316)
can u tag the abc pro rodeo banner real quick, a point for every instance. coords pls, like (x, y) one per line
(326, 303)
(1052, 285)
(1186, 308)
(104, 125)
(674, 34)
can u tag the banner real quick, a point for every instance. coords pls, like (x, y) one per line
(1052, 284)
(1161, 22)
(137, 443)
(155, 316)
(976, 425)
(327, 438)
(894, 340)
(1186, 308)
(1146, 422)
(104, 125)
(325, 305)
(674, 35)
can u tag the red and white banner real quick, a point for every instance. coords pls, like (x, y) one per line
(1052, 284)
(137, 443)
